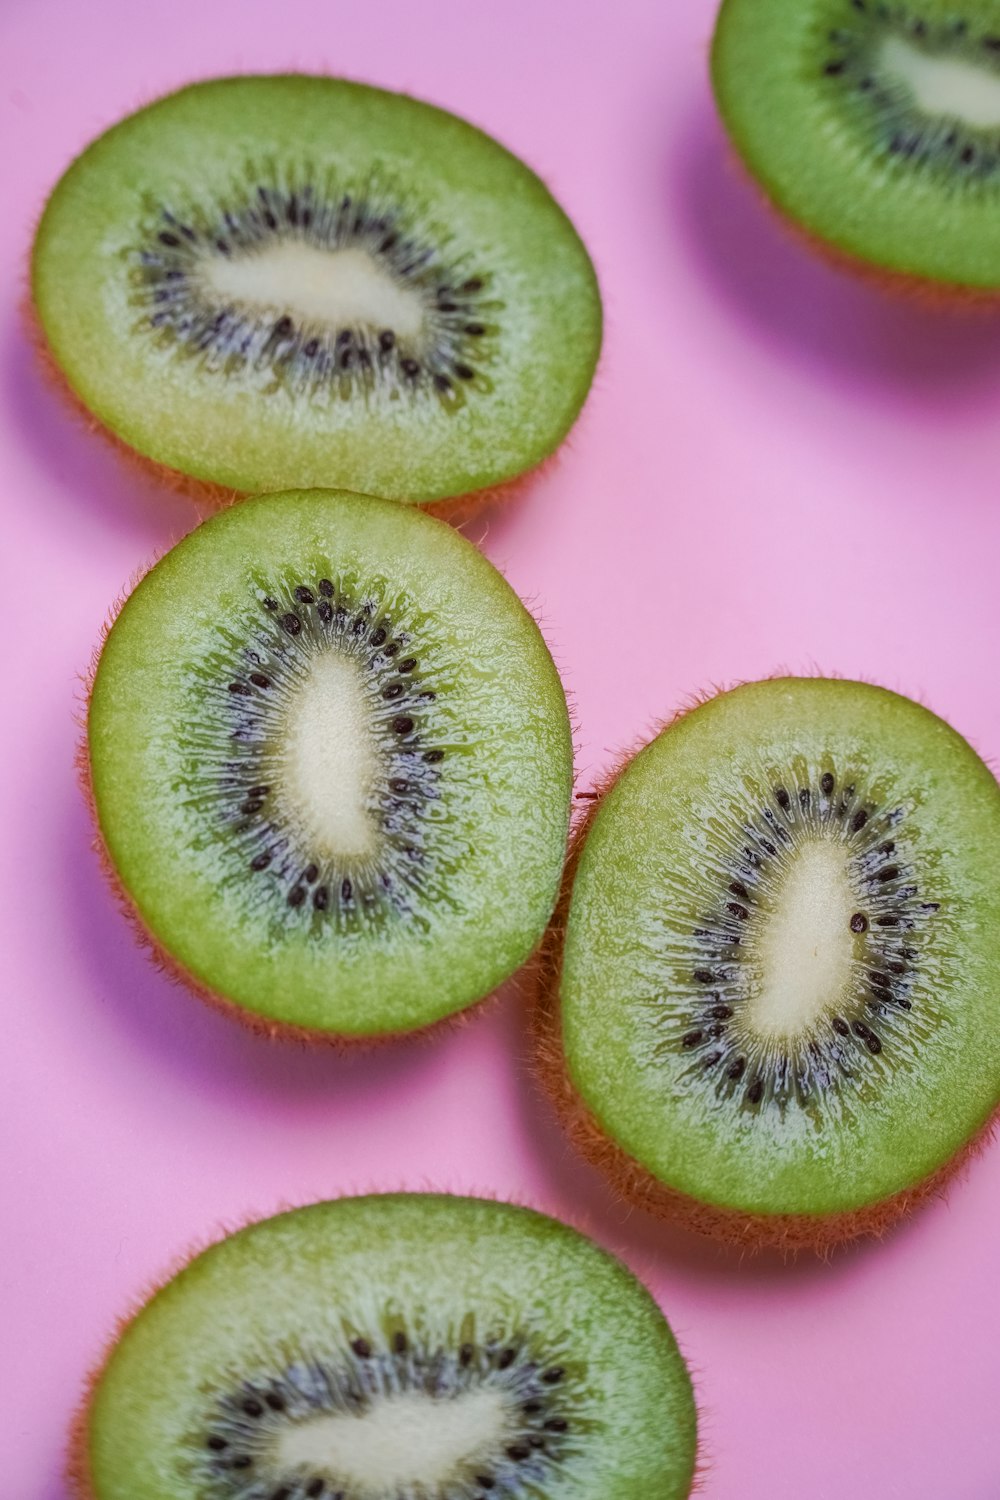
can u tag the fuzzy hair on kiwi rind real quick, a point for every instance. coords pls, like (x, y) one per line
(553, 1333)
(190, 715)
(444, 337)
(863, 128)
(631, 1180)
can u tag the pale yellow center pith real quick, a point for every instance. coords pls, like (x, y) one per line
(803, 949)
(401, 1440)
(330, 288)
(329, 760)
(949, 86)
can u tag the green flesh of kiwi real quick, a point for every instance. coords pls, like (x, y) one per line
(277, 282)
(784, 933)
(331, 764)
(873, 126)
(388, 1347)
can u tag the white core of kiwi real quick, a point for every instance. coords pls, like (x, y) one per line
(407, 1439)
(804, 947)
(333, 288)
(329, 760)
(948, 86)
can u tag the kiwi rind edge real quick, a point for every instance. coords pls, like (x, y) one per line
(77, 1468)
(208, 497)
(634, 1184)
(522, 980)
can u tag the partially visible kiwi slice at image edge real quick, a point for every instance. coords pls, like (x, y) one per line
(386, 1346)
(330, 762)
(266, 283)
(771, 1007)
(874, 129)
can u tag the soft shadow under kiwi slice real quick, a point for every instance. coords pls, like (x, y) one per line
(875, 129)
(406, 1347)
(773, 1004)
(330, 762)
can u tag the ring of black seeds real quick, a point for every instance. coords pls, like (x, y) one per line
(889, 927)
(242, 688)
(174, 304)
(885, 107)
(234, 1456)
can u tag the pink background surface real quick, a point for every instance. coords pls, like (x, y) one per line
(776, 468)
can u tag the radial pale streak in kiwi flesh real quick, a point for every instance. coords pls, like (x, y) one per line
(292, 281)
(387, 1347)
(779, 991)
(874, 126)
(331, 762)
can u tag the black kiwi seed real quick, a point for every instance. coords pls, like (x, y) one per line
(826, 783)
(361, 1348)
(859, 922)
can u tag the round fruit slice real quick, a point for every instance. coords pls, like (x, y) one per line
(874, 127)
(381, 1347)
(331, 764)
(266, 282)
(777, 1011)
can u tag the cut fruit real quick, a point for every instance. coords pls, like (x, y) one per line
(272, 282)
(380, 1347)
(330, 760)
(774, 1008)
(874, 128)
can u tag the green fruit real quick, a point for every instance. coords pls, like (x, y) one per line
(381, 1347)
(272, 282)
(873, 127)
(783, 935)
(331, 765)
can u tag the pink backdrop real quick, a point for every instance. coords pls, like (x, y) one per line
(777, 468)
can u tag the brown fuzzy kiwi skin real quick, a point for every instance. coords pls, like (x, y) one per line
(208, 497)
(632, 1183)
(78, 1470)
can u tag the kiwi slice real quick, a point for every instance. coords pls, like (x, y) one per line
(330, 762)
(874, 127)
(272, 282)
(399, 1347)
(775, 1007)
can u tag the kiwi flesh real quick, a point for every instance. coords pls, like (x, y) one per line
(281, 282)
(772, 1005)
(330, 762)
(394, 1347)
(873, 127)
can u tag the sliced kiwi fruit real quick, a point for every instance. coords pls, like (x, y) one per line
(275, 282)
(773, 1007)
(330, 762)
(874, 127)
(398, 1347)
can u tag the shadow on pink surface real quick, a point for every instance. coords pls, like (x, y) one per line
(83, 470)
(645, 1242)
(819, 313)
(176, 1032)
